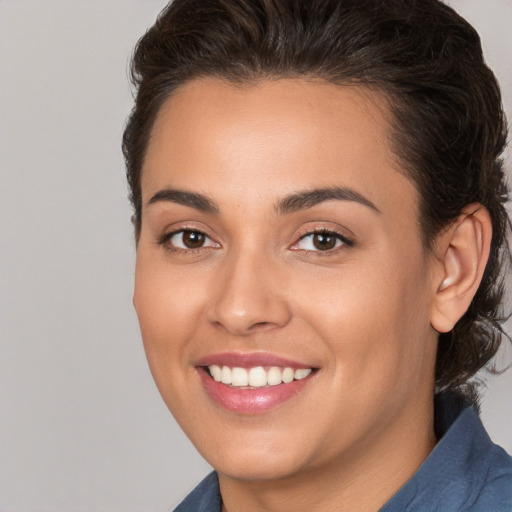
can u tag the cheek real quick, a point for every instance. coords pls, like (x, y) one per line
(372, 315)
(167, 306)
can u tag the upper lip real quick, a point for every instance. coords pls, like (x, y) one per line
(249, 360)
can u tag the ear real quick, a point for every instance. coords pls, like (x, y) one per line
(461, 252)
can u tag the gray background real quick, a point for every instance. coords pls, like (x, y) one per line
(82, 427)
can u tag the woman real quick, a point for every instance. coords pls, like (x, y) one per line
(319, 213)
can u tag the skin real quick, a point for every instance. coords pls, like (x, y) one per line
(361, 313)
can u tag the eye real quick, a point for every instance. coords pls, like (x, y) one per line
(188, 239)
(321, 241)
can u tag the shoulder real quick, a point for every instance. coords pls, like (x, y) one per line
(488, 472)
(466, 471)
(477, 472)
(203, 498)
(495, 491)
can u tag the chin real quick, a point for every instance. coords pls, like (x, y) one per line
(253, 469)
(253, 459)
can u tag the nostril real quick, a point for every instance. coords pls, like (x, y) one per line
(247, 328)
(262, 326)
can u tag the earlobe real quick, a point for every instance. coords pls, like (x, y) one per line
(462, 254)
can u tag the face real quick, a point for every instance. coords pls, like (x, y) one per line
(282, 287)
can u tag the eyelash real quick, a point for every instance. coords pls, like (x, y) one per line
(345, 241)
(165, 241)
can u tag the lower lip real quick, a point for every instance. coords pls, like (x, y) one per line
(250, 400)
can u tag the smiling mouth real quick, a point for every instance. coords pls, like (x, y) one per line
(256, 383)
(256, 377)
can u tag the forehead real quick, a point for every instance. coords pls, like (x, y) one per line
(272, 138)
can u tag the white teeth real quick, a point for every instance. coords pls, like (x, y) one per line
(216, 372)
(274, 376)
(226, 375)
(288, 375)
(257, 376)
(239, 377)
(302, 373)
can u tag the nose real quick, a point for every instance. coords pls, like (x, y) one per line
(249, 296)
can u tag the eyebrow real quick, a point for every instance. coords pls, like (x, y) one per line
(192, 199)
(289, 204)
(309, 198)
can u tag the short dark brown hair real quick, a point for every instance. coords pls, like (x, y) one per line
(448, 126)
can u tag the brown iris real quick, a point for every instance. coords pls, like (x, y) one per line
(193, 239)
(324, 241)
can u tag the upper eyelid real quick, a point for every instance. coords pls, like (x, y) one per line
(324, 230)
(165, 242)
(347, 241)
(169, 231)
(301, 234)
(167, 235)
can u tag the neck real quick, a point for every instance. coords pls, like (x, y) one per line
(364, 479)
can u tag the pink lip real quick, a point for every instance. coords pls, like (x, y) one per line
(249, 360)
(250, 400)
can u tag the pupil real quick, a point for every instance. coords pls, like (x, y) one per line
(193, 239)
(324, 242)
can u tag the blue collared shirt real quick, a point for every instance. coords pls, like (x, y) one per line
(465, 472)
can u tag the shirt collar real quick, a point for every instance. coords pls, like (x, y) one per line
(454, 465)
